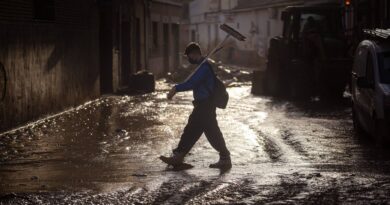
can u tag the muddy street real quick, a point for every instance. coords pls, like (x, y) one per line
(106, 152)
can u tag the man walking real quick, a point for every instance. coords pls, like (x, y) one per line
(203, 117)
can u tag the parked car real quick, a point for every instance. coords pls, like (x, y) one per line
(370, 86)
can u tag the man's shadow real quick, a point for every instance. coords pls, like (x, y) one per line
(186, 166)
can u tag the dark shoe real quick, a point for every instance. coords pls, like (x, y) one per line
(222, 164)
(176, 159)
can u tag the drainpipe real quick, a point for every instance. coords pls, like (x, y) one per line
(146, 25)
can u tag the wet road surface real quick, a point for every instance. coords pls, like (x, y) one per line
(106, 152)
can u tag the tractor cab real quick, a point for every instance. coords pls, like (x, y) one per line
(310, 58)
(313, 26)
(326, 19)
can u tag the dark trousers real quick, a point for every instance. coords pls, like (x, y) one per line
(203, 119)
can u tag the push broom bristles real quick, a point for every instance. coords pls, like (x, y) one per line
(231, 31)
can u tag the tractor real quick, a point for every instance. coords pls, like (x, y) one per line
(311, 57)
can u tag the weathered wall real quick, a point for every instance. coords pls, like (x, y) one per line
(51, 65)
(164, 13)
(258, 24)
(140, 14)
(123, 44)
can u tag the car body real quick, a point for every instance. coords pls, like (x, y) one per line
(370, 88)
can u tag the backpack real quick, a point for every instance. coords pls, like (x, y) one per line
(219, 96)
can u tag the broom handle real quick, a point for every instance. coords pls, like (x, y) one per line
(209, 55)
(215, 49)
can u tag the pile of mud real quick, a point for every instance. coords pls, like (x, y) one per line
(228, 73)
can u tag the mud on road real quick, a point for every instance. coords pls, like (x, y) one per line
(106, 152)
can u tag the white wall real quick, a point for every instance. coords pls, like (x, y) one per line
(207, 12)
(259, 28)
(228, 4)
(199, 7)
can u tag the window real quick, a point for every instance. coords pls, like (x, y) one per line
(325, 23)
(155, 34)
(370, 69)
(44, 10)
(384, 67)
(287, 25)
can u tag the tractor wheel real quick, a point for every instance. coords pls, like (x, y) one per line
(272, 81)
(380, 132)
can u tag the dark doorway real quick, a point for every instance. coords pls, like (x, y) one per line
(125, 54)
(44, 10)
(166, 43)
(138, 44)
(105, 55)
(176, 37)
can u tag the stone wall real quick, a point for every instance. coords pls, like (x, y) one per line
(51, 63)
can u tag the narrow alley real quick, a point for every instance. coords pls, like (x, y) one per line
(106, 152)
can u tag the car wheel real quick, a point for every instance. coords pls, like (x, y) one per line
(379, 132)
(356, 123)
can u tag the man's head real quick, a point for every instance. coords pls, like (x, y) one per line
(193, 53)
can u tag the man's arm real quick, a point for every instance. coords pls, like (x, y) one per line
(189, 84)
(194, 80)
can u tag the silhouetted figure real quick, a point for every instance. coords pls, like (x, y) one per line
(312, 40)
(203, 118)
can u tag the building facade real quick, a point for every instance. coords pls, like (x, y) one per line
(123, 31)
(166, 30)
(205, 17)
(59, 54)
(258, 20)
(50, 52)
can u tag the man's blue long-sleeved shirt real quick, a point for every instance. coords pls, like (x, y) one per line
(201, 82)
